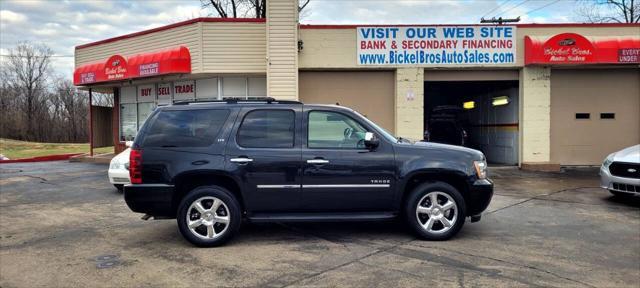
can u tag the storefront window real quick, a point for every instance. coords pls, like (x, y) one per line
(234, 87)
(144, 110)
(128, 121)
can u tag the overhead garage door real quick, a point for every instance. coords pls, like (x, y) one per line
(593, 113)
(370, 93)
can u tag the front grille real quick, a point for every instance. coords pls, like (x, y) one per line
(623, 169)
(626, 187)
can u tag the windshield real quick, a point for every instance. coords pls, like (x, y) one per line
(384, 133)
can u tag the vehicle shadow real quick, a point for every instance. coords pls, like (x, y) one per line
(367, 233)
(631, 201)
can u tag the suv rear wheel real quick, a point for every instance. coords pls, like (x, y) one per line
(209, 216)
(435, 211)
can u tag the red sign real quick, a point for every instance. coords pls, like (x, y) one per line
(149, 69)
(164, 90)
(572, 48)
(116, 68)
(89, 77)
(629, 55)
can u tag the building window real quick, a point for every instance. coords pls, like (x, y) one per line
(128, 121)
(244, 87)
(144, 110)
(607, 115)
(207, 89)
(234, 87)
(583, 116)
(257, 87)
(128, 113)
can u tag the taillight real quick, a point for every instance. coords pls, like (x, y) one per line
(135, 166)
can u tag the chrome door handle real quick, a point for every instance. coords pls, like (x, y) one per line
(241, 160)
(317, 161)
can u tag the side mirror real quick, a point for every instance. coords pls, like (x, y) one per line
(128, 143)
(371, 141)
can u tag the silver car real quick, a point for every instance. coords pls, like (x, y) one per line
(620, 172)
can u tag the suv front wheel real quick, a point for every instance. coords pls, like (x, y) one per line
(209, 216)
(435, 211)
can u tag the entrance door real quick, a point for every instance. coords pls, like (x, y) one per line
(339, 173)
(265, 155)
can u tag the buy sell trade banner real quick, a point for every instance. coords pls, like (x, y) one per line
(436, 45)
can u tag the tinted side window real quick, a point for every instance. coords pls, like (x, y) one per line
(334, 130)
(193, 128)
(267, 129)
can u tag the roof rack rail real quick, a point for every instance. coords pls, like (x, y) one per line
(267, 100)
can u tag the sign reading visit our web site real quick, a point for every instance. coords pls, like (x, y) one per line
(436, 45)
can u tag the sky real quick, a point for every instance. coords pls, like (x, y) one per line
(64, 24)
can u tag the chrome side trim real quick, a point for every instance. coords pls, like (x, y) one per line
(347, 186)
(278, 186)
(150, 185)
(241, 160)
(324, 186)
(317, 161)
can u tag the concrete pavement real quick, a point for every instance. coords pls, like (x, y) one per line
(62, 225)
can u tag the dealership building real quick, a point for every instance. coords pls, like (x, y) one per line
(540, 96)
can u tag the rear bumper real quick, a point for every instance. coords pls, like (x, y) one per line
(480, 194)
(152, 199)
(117, 176)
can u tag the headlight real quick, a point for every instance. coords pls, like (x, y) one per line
(481, 169)
(114, 165)
(608, 161)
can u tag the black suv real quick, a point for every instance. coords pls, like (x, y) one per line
(213, 164)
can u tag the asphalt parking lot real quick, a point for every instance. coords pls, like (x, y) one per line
(62, 224)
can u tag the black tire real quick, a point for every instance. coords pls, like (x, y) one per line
(232, 205)
(418, 193)
(120, 187)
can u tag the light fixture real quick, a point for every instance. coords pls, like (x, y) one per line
(469, 105)
(500, 100)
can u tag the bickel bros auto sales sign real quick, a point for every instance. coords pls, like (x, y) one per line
(436, 45)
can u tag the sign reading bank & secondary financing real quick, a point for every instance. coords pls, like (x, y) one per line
(436, 45)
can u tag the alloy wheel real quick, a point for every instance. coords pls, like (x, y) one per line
(208, 218)
(437, 212)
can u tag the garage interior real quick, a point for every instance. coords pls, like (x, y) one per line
(488, 113)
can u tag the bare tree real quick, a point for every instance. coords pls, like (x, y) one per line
(26, 72)
(72, 110)
(243, 8)
(603, 11)
(35, 107)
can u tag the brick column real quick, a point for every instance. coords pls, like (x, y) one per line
(409, 110)
(535, 119)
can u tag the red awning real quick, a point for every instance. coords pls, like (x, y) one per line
(175, 60)
(170, 61)
(572, 48)
(88, 73)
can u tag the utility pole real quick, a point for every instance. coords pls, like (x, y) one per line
(500, 20)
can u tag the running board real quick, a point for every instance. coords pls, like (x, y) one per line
(320, 217)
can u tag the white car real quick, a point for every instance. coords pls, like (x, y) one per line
(620, 172)
(119, 169)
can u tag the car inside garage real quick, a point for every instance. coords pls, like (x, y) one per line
(478, 114)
